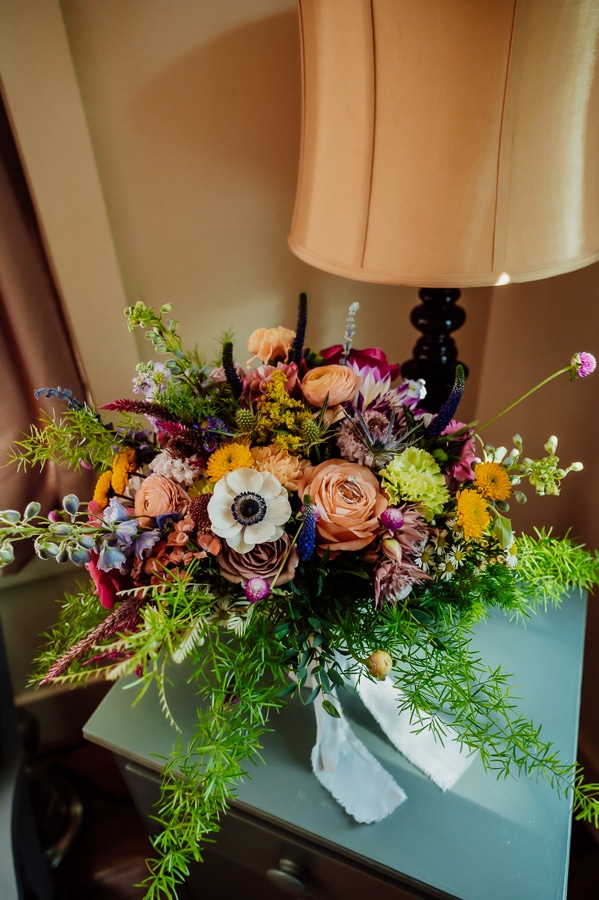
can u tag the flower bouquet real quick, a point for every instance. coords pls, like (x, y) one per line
(292, 526)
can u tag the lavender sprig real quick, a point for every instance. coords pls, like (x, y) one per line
(350, 330)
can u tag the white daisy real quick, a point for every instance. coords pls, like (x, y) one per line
(248, 508)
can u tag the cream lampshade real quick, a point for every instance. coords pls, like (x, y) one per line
(448, 143)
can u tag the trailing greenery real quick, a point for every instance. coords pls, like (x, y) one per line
(547, 562)
(284, 528)
(75, 439)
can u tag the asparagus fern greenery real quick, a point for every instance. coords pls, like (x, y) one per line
(297, 515)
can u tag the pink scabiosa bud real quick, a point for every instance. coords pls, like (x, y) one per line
(392, 518)
(256, 589)
(583, 364)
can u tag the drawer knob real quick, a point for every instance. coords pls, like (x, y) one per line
(288, 878)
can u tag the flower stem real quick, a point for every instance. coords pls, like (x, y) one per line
(524, 397)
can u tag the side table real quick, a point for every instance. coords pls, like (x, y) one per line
(486, 839)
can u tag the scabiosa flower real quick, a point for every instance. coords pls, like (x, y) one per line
(415, 476)
(492, 481)
(248, 508)
(583, 364)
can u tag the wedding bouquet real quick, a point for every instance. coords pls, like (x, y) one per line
(291, 525)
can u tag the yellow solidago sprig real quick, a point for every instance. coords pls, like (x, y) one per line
(281, 419)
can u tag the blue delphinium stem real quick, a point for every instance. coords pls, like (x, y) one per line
(59, 393)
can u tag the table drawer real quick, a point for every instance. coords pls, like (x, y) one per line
(258, 858)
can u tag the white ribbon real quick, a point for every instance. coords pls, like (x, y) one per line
(353, 776)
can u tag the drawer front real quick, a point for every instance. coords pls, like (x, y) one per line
(252, 857)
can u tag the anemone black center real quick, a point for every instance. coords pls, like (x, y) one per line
(248, 508)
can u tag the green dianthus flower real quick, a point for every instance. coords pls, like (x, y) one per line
(414, 475)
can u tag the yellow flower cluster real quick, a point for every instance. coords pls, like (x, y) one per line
(228, 458)
(281, 419)
(492, 481)
(116, 479)
(473, 514)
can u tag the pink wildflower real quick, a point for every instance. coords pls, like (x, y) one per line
(583, 364)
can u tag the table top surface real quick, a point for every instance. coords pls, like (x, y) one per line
(484, 838)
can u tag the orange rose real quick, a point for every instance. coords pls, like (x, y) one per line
(270, 343)
(349, 500)
(339, 382)
(159, 495)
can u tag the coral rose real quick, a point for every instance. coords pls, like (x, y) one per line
(349, 500)
(262, 561)
(338, 382)
(158, 496)
(269, 344)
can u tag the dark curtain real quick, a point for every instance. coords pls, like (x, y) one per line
(35, 348)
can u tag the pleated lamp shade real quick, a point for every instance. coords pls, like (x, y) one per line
(448, 142)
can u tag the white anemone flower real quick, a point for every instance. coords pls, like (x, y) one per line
(248, 508)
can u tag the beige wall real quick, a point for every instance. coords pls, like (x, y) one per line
(166, 135)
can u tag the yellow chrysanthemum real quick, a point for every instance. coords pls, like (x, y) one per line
(473, 515)
(492, 481)
(228, 458)
(103, 486)
(123, 465)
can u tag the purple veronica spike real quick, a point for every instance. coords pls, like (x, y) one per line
(297, 349)
(447, 412)
(229, 369)
(306, 542)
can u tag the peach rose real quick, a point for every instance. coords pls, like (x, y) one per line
(159, 495)
(339, 382)
(270, 343)
(349, 500)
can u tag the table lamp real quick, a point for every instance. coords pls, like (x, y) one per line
(448, 145)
